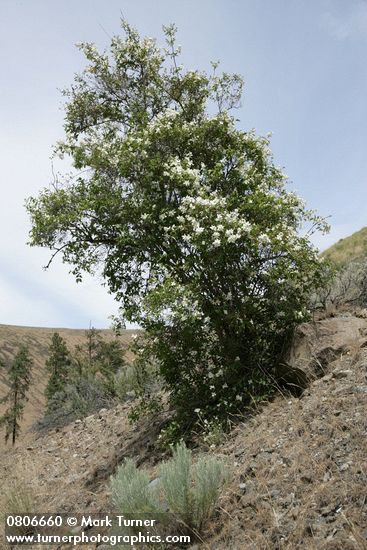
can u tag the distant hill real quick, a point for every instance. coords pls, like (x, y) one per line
(38, 341)
(349, 249)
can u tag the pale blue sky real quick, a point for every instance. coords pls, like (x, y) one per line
(304, 64)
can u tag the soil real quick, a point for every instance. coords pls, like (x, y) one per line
(298, 465)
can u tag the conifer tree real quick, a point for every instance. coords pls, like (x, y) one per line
(109, 360)
(58, 365)
(86, 353)
(19, 376)
(98, 355)
(94, 339)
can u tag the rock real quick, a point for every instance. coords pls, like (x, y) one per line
(360, 389)
(247, 487)
(362, 314)
(327, 476)
(154, 483)
(51, 449)
(239, 453)
(315, 346)
(76, 530)
(288, 500)
(342, 374)
(307, 477)
(331, 510)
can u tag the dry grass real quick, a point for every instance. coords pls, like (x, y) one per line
(299, 466)
(301, 470)
(349, 249)
(38, 340)
(17, 494)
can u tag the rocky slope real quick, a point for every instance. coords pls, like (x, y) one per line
(298, 466)
(38, 341)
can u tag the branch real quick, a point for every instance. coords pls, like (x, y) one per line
(53, 256)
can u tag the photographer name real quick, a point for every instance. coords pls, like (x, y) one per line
(107, 521)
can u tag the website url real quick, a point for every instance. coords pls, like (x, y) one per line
(112, 540)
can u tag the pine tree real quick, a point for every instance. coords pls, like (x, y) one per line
(100, 356)
(58, 365)
(109, 360)
(19, 376)
(94, 340)
(86, 353)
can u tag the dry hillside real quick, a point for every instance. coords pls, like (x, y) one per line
(38, 341)
(349, 249)
(298, 466)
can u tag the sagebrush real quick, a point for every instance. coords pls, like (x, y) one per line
(185, 492)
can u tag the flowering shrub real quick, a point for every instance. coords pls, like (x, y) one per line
(188, 219)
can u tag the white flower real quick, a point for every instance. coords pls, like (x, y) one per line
(239, 397)
(264, 239)
(216, 243)
(246, 226)
(233, 238)
(197, 410)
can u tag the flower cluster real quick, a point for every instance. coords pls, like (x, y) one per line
(196, 232)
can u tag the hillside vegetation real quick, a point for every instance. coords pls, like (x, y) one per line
(195, 234)
(38, 341)
(297, 474)
(349, 249)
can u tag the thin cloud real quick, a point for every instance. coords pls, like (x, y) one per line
(350, 23)
(52, 298)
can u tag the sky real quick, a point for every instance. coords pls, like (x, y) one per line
(304, 65)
